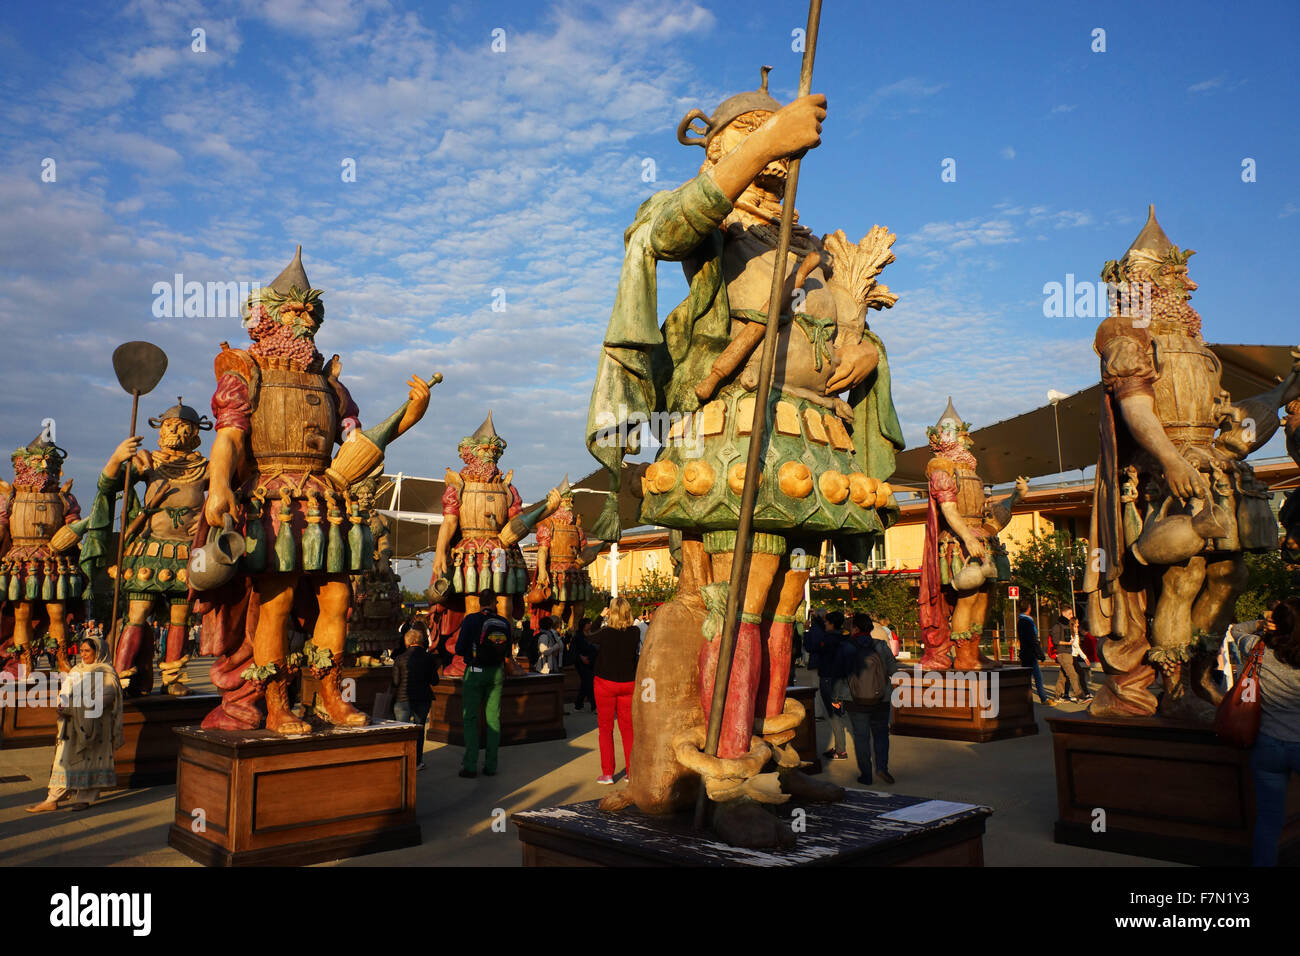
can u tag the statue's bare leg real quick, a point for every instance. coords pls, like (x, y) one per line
(59, 631)
(968, 617)
(332, 596)
(270, 646)
(1172, 641)
(23, 633)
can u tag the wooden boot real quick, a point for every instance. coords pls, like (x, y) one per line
(279, 718)
(331, 704)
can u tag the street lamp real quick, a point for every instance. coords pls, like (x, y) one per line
(1053, 397)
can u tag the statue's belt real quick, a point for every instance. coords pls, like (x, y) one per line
(820, 331)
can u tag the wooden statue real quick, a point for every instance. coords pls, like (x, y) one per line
(34, 576)
(159, 530)
(963, 556)
(1289, 515)
(478, 541)
(824, 466)
(561, 584)
(280, 409)
(1168, 565)
(376, 591)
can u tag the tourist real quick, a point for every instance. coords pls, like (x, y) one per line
(584, 658)
(1082, 662)
(484, 644)
(1276, 754)
(90, 730)
(614, 684)
(870, 721)
(550, 647)
(881, 631)
(1062, 634)
(1031, 652)
(415, 673)
(814, 634)
(829, 671)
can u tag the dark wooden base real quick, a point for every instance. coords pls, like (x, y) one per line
(532, 709)
(805, 735)
(836, 834)
(369, 682)
(147, 757)
(959, 716)
(290, 801)
(1169, 789)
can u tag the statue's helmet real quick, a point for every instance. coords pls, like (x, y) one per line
(184, 413)
(288, 294)
(949, 429)
(485, 443)
(759, 100)
(40, 455)
(1152, 257)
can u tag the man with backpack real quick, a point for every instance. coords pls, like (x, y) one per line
(484, 645)
(868, 665)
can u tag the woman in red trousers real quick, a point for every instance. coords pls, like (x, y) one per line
(619, 643)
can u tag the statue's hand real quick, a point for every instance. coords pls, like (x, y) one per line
(856, 363)
(419, 403)
(439, 566)
(129, 448)
(795, 127)
(1022, 486)
(974, 547)
(552, 500)
(221, 502)
(1184, 481)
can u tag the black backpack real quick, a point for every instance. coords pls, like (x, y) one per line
(868, 683)
(493, 644)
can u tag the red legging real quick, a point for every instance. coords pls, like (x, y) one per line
(614, 697)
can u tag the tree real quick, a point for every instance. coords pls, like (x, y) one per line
(1270, 580)
(1048, 563)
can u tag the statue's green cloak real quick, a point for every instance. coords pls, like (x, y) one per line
(646, 368)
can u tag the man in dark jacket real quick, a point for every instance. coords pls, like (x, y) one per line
(870, 722)
(829, 670)
(414, 675)
(1031, 652)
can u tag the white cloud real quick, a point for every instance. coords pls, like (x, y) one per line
(1007, 152)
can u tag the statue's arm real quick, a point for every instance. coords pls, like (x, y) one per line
(957, 524)
(224, 464)
(1002, 508)
(1139, 411)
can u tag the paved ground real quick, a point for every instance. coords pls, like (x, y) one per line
(1014, 777)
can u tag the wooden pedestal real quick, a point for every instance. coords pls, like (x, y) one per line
(370, 681)
(572, 683)
(837, 834)
(532, 709)
(147, 757)
(959, 716)
(1170, 790)
(290, 801)
(805, 735)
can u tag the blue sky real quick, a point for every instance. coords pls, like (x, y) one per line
(517, 170)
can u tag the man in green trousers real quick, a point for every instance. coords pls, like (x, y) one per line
(484, 644)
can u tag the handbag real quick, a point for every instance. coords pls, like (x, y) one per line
(1237, 721)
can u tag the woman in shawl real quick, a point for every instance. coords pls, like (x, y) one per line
(90, 730)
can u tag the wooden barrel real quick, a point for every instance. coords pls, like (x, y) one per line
(34, 516)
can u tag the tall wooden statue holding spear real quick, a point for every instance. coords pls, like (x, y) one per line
(746, 494)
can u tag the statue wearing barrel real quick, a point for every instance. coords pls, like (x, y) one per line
(483, 520)
(280, 544)
(34, 576)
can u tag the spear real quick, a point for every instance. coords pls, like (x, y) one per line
(758, 435)
(139, 367)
